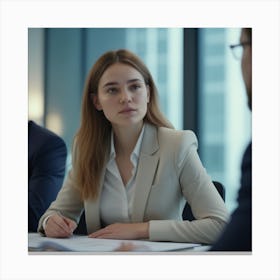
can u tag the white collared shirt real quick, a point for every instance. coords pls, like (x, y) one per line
(116, 200)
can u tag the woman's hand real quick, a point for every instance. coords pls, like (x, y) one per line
(123, 231)
(59, 226)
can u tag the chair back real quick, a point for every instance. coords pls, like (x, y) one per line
(82, 226)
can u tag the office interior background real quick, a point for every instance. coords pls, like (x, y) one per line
(199, 82)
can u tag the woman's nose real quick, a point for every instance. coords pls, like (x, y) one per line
(125, 96)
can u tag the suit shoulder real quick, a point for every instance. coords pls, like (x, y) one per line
(42, 138)
(177, 144)
(42, 133)
(173, 136)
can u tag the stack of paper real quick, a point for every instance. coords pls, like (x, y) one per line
(85, 244)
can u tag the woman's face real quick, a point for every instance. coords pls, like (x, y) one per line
(122, 95)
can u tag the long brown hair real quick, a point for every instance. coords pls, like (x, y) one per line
(92, 141)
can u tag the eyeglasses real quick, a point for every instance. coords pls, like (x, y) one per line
(237, 49)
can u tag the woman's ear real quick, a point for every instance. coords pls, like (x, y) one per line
(96, 103)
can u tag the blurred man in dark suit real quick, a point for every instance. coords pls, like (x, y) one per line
(237, 236)
(46, 168)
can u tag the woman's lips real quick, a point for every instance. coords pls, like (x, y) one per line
(127, 110)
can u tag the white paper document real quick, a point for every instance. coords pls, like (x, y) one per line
(78, 243)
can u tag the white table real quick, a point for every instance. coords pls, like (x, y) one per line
(83, 244)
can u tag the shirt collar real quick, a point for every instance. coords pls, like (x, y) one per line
(136, 150)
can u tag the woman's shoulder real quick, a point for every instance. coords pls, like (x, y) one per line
(168, 140)
(173, 135)
(177, 144)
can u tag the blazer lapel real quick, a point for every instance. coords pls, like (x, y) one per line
(147, 166)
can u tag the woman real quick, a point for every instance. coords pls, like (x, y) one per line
(131, 170)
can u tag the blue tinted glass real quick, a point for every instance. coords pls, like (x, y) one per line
(224, 118)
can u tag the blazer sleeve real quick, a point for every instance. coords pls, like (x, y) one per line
(68, 202)
(207, 206)
(46, 179)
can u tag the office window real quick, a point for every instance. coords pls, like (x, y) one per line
(36, 75)
(224, 118)
(62, 57)
(162, 51)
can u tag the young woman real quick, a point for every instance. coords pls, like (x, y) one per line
(131, 171)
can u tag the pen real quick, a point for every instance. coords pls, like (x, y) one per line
(66, 221)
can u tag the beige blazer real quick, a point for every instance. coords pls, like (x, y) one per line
(169, 172)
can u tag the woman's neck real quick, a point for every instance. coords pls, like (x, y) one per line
(125, 139)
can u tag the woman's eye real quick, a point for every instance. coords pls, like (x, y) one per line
(135, 87)
(112, 90)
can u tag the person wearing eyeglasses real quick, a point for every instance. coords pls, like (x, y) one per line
(237, 236)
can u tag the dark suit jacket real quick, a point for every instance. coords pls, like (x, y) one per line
(46, 167)
(238, 233)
